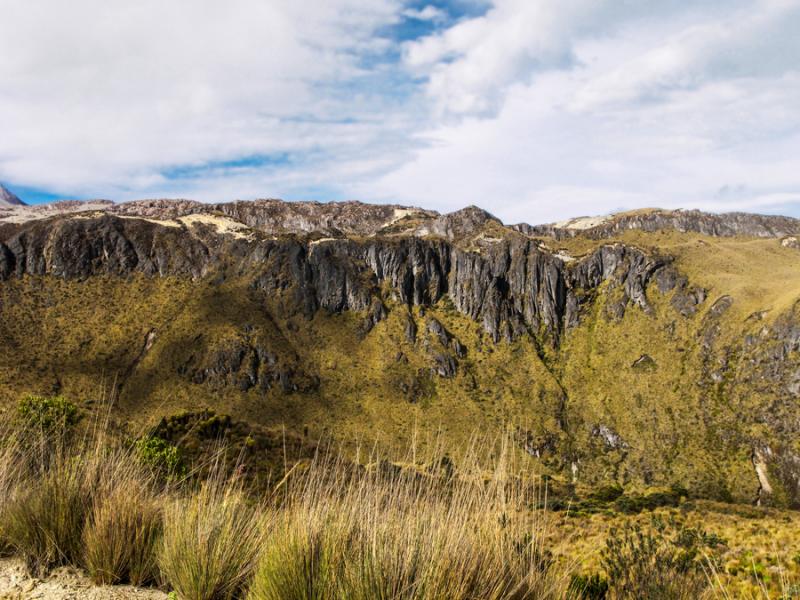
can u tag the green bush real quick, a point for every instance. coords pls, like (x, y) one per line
(607, 493)
(47, 414)
(636, 503)
(161, 456)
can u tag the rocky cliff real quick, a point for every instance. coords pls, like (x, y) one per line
(511, 285)
(720, 225)
(623, 358)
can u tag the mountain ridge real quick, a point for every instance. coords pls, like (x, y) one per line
(600, 346)
(358, 218)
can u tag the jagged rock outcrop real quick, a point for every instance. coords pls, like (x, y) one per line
(511, 287)
(718, 225)
(108, 245)
(245, 363)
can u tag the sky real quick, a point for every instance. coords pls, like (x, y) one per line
(535, 110)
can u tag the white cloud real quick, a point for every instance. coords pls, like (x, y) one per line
(536, 109)
(470, 64)
(756, 41)
(650, 110)
(99, 95)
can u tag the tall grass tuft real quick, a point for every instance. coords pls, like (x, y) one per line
(211, 539)
(299, 561)
(124, 526)
(45, 515)
(10, 473)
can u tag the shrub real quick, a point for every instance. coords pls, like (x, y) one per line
(607, 493)
(210, 542)
(635, 503)
(45, 427)
(588, 587)
(47, 414)
(646, 563)
(162, 457)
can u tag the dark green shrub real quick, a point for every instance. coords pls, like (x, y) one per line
(588, 587)
(47, 414)
(162, 457)
(607, 493)
(648, 563)
(635, 503)
(689, 537)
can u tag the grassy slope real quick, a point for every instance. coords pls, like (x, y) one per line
(755, 541)
(84, 338)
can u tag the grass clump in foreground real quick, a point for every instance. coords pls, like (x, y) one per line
(43, 520)
(122, 531)
(345, 532)
(211, 540)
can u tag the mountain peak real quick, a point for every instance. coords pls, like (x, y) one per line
(8, 198)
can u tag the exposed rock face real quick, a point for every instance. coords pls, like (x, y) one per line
(273, 217)
(349, 219)
(721, 225)
(245, 363)
(78, 248)
(510, 287)
(8, 198)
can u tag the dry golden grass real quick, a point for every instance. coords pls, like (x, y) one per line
(123, 529)
(331, 529)
(211, 541)
(43, 519)
(758, 557)
(380, 532)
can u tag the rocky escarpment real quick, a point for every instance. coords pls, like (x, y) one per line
(85, 246)
(718, 225)
(511, 286)
(357, 219)
(244, 362)
(350, 315)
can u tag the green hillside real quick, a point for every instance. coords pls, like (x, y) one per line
(692, 384)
